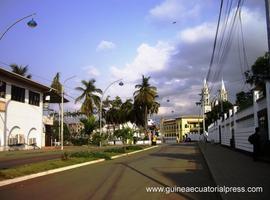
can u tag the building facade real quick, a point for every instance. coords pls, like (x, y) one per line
(173, 129)
(21, 112)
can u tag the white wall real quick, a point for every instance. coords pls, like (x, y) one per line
(243, 124)
(2, 120)
(21, 118)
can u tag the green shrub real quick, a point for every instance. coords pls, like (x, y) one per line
(87, 154)
(115, 150)
(79, 141)
(65, 156)
(133, 148)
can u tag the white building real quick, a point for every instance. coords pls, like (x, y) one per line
(21, 112)
(205, 101)
(223, 94)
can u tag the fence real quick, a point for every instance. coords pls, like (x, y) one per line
(234, 128)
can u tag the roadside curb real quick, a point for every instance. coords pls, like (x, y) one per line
(53, 171)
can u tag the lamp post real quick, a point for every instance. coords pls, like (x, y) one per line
(62, 111)
(101, 103)
(32, 24)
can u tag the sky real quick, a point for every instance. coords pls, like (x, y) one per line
(169, 40)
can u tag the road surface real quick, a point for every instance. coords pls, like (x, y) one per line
(171, 165)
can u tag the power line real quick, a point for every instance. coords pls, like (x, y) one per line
(215, 42)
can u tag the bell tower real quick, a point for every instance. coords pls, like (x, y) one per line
(205, 101)
(223, 94)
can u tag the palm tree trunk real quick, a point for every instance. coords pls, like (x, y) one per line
(145, 118)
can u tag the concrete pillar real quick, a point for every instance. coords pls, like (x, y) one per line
(267, 87)
(255, 107)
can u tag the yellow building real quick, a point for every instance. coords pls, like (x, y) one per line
(173, 128)
(189, 124)
(169, 128)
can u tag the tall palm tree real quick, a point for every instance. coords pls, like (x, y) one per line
(56, 83)
(144, 98)
(21, 70)
(126, 111)
(89, 96)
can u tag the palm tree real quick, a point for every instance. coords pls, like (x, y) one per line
(154, 108)
(144, 98)
(56, 83)
(21, 70)
(126, 111)
(89, 96)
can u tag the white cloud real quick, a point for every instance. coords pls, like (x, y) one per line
(173, 10)
(148, 59)
(105, 45)
(91, 70)
(204, 31)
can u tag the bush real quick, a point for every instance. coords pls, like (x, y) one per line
(97, 138)
(123, 149)
(87, 154)
(79, 141)
(65, 156)
(115, 150)
(134, 148)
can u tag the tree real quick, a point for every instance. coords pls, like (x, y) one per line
(216, 112)
(56, 83)
(154, 108)
(55, 131)
(144, 98)
(89, 96)
(126, 111)
(260, 71)
(90, 124)
(124, 134)
(113, 115)
(244, 99)
(21, 70)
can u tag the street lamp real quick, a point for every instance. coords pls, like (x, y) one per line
(201, 103)
(32, 23)
(62, 111)
(119, 81)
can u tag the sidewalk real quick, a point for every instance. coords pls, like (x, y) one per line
(231, 168)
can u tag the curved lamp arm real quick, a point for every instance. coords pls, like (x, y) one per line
(15, 24)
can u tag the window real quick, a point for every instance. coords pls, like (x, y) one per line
(34, 98)
(17, 94)
(2, 89)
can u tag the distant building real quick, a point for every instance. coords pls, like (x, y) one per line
(179, 127)
(169, 128)
(223, 94)
(74, 124)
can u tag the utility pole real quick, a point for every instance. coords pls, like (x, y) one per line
(267, 22)
(267, 82)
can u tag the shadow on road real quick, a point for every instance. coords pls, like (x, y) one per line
(155, 180)
(184, 166)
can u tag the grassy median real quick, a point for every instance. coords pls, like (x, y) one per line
(67, 158)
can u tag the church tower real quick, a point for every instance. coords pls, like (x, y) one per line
(223, 94)
(205, 101)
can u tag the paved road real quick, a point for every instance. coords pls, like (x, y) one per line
(124, 178)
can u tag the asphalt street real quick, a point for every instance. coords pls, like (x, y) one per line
(128, 177)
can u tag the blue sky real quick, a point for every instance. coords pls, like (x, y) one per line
(112, 39)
